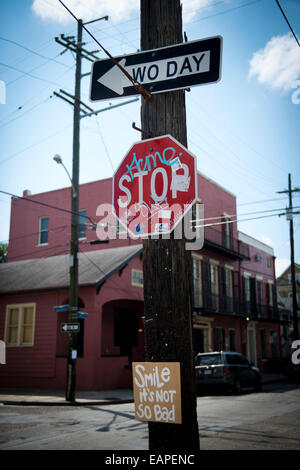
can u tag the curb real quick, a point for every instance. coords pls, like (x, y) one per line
(63, 403)
(83, 402)
(274, 381)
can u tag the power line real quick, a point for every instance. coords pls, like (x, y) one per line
(226, 11)
(102, 272)
(206, 225)
(238, 220)
(38, 250)
(32, 70)
(27, 111)
(214, 156)
(35, 144)
(33, 233)
(29, 74)
(241, 215)
(238, 162)
(46, 205)
(35, 96)
(104, 145)
(266, 200)
(33, 52)
(289, 25)
(225, 127)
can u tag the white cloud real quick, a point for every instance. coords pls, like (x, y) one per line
(281, 264)
(190, 8)
(117, 10)
(277, 65)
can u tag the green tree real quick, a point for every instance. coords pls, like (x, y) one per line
(3, 252)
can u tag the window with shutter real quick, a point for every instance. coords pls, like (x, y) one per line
(263, 344)
(43, 230)
(227, 232)
(259, 297)
(19, 325)
(197, 283)
(214, 286)
(206, 285)
(82, 224)
(253, 295)
(219, 339)
(232, 340)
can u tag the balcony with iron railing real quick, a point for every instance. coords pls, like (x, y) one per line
(215, 303)
(221, 243)
(260, 311)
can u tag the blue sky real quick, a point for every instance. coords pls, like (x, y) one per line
(244, 129)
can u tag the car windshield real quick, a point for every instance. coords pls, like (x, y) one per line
(209, 360)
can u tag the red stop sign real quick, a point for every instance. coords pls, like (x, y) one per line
(154, 186)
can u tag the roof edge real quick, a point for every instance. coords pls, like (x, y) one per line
(102, 280)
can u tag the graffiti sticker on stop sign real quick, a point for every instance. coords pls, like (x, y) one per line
(154, 186)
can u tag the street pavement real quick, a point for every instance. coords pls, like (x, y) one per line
(266, 420)
(251, 421)
(82, 397)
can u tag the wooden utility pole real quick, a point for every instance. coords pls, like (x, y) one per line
(167, 265)
(69, 43)
(73, 290)
(290, 191)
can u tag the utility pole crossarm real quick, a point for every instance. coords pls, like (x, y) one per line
(71, 45)
(108, 108)
(140, 89)
(74, 98)
(70, 102)
(287, 191)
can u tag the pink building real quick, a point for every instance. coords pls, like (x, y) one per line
(233, 277)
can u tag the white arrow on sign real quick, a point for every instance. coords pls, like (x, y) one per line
(70, 327)
(166, 69)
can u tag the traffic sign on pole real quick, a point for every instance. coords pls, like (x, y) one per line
(82, 315)
(70, 327)
(154, 186)
(61, 308)
(158, 70)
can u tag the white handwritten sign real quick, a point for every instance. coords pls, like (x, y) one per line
(157, 391)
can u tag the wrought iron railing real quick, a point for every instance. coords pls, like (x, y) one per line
(210, 302)
(219, 238)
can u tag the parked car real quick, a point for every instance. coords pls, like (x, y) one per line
(289, 369)
(226, 369)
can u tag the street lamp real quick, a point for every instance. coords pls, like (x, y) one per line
(57, 158)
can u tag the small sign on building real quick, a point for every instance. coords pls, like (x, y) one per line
(70, 327)
(157, 391)
(2, 353)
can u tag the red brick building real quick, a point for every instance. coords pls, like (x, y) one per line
(234, 291)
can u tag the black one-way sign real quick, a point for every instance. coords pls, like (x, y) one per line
(73, 327)
(158, 70)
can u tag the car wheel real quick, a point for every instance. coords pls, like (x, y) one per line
(237, 387)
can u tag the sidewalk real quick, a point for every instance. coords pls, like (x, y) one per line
(57, 397)
(100, 397)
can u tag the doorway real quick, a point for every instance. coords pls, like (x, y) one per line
(198, 341)
(126, 331)
(202, 335)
